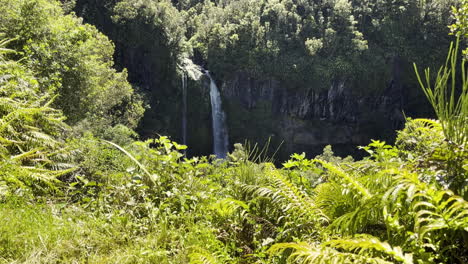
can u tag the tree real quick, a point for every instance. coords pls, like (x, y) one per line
(460, 27)
(71, 60)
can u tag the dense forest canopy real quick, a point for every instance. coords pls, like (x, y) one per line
(293, 40)
(79, 185)
(70, 60)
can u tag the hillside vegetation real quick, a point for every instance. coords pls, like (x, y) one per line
(77, 186)
(307, 43)
(302, 48)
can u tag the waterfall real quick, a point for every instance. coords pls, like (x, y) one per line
(220, 135)
(184, 108)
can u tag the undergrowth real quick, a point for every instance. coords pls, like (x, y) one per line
(73, 197)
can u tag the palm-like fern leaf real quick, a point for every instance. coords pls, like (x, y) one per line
(348, 201)
(365, 245)
(202, 256)
(359, 250)
(30, 148)
(362, 216)
(434, 209)
(228, 206)
(3, 50)
(353, 183)
(289, 198)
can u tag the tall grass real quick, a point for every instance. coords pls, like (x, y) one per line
(448, 95)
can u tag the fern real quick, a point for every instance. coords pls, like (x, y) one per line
(368, 245)
(436, 212)
(336, 172)
(289, 199)
(359, 250)
(366, 217)
(420, 139)
(348, 201)
(30, 147)
(202, 256)
(228, 206)
(3, 51)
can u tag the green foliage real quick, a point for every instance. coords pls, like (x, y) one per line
(433, 212)
(203, 257)
(70, 59)
(311, 43)
(361, 250)
(382, 199)
(32, 153)
(160, 14)
(306, 44)
(71, 196)
(381, 152)
(420, 138)
(460, 27)
(290, 200)
(451, 107)
(157, 206)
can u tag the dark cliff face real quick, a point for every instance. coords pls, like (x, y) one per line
(308, 120)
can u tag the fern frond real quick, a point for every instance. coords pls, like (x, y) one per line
(228, 206)
(29, 128)
(305, 253)
(364, 245)
(289, 198)
(433, 209)
(202, 256)
(27, 155)
(3, 50)
(348, 202)
(358, 220)
(428, 122)
(334, 171)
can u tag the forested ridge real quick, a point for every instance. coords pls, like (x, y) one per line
(90, 171)
(279, 61)
(305, 42)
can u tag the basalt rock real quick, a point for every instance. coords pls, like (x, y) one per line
(307, 120)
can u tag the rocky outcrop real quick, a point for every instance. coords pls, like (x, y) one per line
(307, 120)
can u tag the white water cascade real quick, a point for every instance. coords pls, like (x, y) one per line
(184, 108)
(220, 135)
